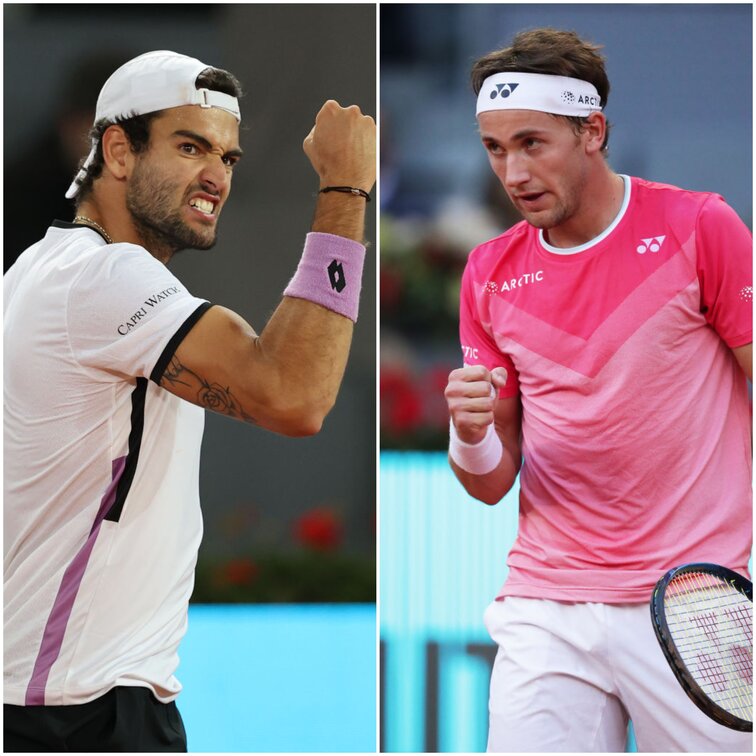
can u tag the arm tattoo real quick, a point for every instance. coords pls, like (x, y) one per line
(211, 396)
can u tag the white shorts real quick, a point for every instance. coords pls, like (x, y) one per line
(568, 677)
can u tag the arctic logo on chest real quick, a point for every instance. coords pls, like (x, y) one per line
(511, 284)
(652, 244)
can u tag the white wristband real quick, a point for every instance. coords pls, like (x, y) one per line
(480, 458)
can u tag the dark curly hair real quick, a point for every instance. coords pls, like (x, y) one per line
(137, 128)
(549, 51)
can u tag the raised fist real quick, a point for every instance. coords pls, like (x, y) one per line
(342, 147)
(471, 394)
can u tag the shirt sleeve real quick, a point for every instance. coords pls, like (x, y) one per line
(478, 346)
(127, 311)
(724, 250)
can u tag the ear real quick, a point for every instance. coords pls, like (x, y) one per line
(594, 131)
(116, 152)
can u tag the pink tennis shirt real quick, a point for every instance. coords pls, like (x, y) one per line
(635, 413)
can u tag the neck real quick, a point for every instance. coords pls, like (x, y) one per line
(599, 203)
(116, 221)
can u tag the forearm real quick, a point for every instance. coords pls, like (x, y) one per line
(484, 434)
(304, 349)
(308, 338)
(744, 356)
(341, 214)
(493, 486)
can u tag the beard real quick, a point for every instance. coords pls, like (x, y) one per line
(150, 199)
(562, 211)
(566, 204)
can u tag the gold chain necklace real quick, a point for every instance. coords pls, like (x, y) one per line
(82, 219)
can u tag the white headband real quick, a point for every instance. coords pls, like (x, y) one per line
(560, 95)
(154, 81)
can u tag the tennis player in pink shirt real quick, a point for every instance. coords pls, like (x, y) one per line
(606, 343)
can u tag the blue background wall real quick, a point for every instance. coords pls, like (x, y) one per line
(279, 678)
(442, 561)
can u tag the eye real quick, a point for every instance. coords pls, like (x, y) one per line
(230, 160)
(188, 148)
(531, 142)
(493, 148)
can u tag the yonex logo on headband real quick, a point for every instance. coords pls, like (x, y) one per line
(559, 95)
(504, 90)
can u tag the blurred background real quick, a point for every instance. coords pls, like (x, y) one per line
(681, 109)
(289, 523)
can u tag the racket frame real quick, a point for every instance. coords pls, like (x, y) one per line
(663, 635)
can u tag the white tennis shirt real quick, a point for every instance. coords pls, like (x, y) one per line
(102, 520)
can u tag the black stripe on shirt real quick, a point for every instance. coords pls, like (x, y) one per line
(157, 372)
(132, 458)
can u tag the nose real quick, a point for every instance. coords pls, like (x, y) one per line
(517, 171)
(215, 175)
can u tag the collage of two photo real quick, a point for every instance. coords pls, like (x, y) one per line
(377, 377)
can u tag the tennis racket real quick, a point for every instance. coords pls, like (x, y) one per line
(703, 618)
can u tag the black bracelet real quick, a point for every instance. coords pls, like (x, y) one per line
(346, 190)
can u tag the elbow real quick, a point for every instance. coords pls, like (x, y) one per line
(302, 420)
(291, 408)
(489, 496)
(302, 427)
(486, 491)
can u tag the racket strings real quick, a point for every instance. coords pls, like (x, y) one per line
(711, 624)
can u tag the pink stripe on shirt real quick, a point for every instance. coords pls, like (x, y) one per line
(55, 629)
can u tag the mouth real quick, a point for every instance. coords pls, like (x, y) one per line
(529, 200)
(204, 207)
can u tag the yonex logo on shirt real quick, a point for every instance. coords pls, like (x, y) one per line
(503, 90)
(652, 244)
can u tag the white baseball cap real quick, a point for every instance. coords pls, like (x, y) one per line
(154, 81)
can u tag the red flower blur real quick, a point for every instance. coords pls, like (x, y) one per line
(242, 571)
(320, 529)
(401, 401)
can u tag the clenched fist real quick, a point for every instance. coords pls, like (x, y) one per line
(342, 147)
(471, 394)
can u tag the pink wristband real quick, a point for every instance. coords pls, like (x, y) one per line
(330, 273)
(480, 458)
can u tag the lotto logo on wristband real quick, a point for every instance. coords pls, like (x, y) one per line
(336, 276)
(336, 256)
